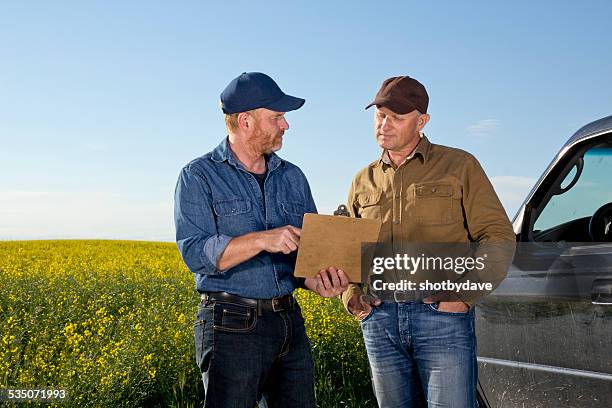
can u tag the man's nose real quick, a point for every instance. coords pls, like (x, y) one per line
(385, 124)
(284, 125)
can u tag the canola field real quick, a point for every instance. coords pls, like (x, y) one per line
(111, 322)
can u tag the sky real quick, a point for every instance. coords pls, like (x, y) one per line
(103, 102)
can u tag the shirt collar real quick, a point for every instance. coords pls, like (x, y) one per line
(421, 149)
(223, 152)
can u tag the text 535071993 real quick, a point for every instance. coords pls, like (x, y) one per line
(33, 394)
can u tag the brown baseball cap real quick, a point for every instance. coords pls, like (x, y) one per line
(402, 95)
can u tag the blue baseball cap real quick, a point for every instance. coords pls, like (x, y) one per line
(252, 90)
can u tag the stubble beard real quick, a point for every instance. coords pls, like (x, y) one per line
(266, 143)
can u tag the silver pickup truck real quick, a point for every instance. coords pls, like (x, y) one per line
(545, 334)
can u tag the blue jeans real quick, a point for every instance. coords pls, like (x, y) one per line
(420, 356)
(243, 354)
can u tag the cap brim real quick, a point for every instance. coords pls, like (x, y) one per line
(286, 103)
(398, 108)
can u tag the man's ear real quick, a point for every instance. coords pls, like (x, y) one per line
(423, 119)
(243, 120)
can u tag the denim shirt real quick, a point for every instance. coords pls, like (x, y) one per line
(217, 199)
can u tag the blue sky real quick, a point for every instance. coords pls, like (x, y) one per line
(102, 103)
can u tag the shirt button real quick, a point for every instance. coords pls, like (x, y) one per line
(433, 189)
(397, 195)
(396, 221)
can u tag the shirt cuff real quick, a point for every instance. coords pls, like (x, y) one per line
(213, 249)
(348, 294)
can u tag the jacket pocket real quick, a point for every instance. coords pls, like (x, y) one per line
(234, 216)
(434, 204)
(235, 206)
(370, 205)
(293, 213)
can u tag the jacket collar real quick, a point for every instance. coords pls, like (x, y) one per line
(421, 149)
(223, 152)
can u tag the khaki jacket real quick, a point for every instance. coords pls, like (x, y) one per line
(439, 194)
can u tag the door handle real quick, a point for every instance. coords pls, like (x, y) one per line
(601, 292)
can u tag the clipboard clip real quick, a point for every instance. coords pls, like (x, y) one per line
(342, 211)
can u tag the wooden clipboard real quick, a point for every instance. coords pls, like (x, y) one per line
(334, 241)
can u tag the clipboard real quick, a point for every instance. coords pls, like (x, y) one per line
(328, 240)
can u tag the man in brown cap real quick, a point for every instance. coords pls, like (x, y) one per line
(422, 352)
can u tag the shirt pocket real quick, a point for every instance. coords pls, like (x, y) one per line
(370, 205)
(434, 204)
(234, 216)
(293, 213)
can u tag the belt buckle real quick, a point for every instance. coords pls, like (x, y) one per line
(276, 305)
(400, 296)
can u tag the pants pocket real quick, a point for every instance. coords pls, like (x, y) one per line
(434, 307)
(234, 318)
(202, 332)
(369, 315)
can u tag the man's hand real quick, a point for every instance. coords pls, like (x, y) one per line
(328, 282)
(283, 239)
(361, 305)
(451, 307)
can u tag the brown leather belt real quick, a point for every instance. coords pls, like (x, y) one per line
(277, 304)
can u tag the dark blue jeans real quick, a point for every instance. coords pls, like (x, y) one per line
(243, 354)
(420, 356)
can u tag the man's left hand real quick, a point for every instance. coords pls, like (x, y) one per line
(451, 307)
(328, 282)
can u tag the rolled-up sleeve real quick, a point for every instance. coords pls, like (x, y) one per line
(197, 237)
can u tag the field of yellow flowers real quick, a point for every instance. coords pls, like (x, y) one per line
(111, 322)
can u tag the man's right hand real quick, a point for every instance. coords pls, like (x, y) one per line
(283, 239)
(361, 305)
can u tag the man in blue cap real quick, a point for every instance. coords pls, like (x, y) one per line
(238, 213)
